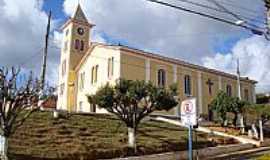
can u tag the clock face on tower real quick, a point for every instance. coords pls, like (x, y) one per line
(80, 31)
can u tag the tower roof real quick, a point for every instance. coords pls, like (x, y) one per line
(79, 14)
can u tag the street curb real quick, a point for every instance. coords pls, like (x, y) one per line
(183, 155)
(238, 153)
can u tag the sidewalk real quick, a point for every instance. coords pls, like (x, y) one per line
(242, 140)
(204, 153)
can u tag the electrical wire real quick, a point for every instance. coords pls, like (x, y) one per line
(221, 11)
(253, 30)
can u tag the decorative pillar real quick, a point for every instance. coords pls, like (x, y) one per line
(219, 83)
(254, 94)
(147, 70)
(177, 108)
(174, 74)
(200, 94)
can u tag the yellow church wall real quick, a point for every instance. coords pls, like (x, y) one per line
(229, 81)
(66, 101)
(207, 97)
(183, 71)
(99, 56)
(155, 65)
(71, 91)
(132, 68)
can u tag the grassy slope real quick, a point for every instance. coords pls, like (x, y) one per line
(91, 137)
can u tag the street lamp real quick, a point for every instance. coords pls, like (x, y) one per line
(240, 22)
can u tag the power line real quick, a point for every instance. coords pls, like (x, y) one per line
(248, 10)
(231, 13)
(253, 30)
(219, 10)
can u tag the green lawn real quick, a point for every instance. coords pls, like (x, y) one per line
(92, 137)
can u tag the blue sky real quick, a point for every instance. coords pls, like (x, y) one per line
(56, 6)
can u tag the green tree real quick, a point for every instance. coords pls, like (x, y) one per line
(259, 112)
(221, 104)
(131, 101)
(236, 106)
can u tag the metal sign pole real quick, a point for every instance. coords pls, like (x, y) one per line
(190, 142)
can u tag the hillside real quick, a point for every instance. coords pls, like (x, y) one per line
(92, 137)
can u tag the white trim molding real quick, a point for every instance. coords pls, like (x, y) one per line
(200, 103)
(219, 82)
(147, 70)
(174, 73)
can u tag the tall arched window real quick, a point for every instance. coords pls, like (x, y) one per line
(77, 44)
(229, 90)
(187, 84)
(161, 78)
(82, 45)
(246, 94)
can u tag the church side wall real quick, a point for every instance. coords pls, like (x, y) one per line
(99, 56)
(137, 67)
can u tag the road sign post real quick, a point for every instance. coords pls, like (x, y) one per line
(189, 119)
(190, 151)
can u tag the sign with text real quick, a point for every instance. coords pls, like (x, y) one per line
(189, 112)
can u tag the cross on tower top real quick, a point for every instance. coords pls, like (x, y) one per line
(210, 84)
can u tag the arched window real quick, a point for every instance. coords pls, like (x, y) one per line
(187, 84)
(77, 44)
(161, 78)
(229, 90)
(82, 45)
(246, 94)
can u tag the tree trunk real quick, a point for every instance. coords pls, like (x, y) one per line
(242, 126)
(255, 131)
(4, 148)
(261, 130)
(55, 114)
(131, 138)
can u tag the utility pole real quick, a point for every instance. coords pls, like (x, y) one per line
(267, 18)
(44, 61)
(240, 97)
(45, 53)
(238, 80)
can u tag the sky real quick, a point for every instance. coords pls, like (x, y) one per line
(141, 25)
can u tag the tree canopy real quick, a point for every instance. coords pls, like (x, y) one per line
(223, 104)
(131, 101)
(129, 97)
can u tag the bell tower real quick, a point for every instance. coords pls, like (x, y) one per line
(75, 43)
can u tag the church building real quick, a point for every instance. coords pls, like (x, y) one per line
(85, 66)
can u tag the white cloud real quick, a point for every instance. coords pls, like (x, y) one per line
(144, 25)
(179, 34)
(22, 32)
(254, 60)
(157, 28)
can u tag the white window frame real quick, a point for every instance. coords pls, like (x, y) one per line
(187, 89)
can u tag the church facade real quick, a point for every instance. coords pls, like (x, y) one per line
(85, 66)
